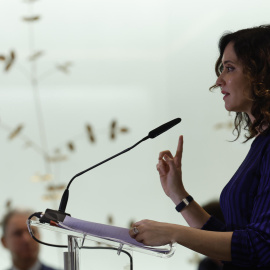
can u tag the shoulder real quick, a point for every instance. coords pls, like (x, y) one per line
(46, 267)
(260, 146)
(265, 145)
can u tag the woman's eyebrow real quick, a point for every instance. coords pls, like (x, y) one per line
(228, 61)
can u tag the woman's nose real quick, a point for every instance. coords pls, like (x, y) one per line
(220, 81)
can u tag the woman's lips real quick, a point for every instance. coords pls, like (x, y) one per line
(226, 94)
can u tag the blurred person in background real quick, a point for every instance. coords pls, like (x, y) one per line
(23, 249)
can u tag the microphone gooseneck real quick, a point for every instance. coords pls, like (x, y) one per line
(152, 134)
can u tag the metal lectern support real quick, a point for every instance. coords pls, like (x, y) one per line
(71, 258)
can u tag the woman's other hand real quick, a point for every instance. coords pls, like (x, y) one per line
(152, 233)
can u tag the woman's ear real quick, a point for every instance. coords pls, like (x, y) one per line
(3, 240)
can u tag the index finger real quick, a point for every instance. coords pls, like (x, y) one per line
(179, 150)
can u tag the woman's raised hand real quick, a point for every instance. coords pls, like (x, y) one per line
(170, 173)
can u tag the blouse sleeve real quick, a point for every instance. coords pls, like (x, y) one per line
(251, 245)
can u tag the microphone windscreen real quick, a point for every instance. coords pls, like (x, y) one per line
(159, 130)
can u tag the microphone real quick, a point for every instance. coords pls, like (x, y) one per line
(53, 215)
(159, 130)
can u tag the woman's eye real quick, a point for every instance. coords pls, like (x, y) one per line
(229, 69)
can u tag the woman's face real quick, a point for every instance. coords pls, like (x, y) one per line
(234, 84)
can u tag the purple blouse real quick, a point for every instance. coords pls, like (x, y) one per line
(245, 203)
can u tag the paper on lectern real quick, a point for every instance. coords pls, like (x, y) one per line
(108, 232)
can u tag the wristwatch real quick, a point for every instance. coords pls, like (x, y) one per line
(185, 202)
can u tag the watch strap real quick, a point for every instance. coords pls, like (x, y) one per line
(185, 202)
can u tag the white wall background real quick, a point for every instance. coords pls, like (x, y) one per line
(140, 62)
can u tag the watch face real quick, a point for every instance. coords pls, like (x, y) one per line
(185, 201)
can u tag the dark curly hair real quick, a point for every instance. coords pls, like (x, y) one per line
(252, 47)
